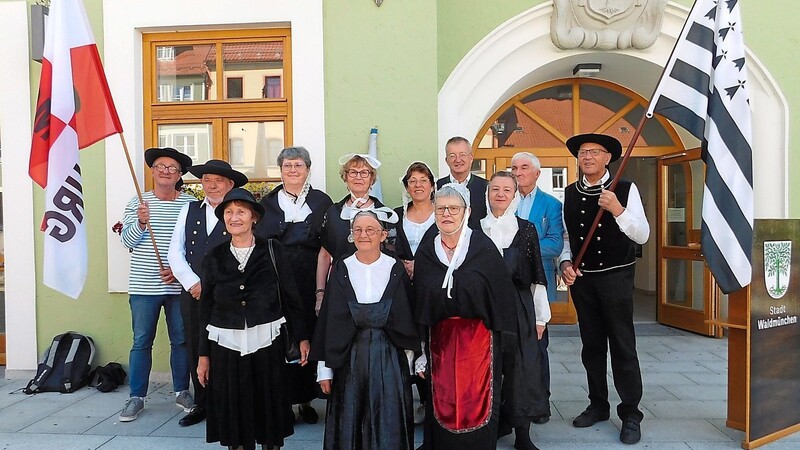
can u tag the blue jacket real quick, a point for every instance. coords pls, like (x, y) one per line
(546, 216)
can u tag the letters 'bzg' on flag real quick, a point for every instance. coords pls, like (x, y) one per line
(74, 110)
(704, 89)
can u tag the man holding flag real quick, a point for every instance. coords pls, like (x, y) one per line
(151, 284)
(74, 110)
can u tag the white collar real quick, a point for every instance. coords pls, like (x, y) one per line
(603, 179)
(466, 180)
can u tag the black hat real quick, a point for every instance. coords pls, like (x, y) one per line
(238, 194)
(608, 142)
(219, 167)
(152, 154)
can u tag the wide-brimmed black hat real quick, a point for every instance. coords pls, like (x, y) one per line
(608, 142)
(152, 154)
(219, 167)
(238, 194)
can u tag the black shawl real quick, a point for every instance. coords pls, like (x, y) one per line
(335, 331)
(482, 286)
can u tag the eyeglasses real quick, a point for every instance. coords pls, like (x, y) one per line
(457, 156)
(453, 210)
(164, 168)
(353, 173)
(595, 152)
(418, 181)
(370, 231)
(297, 166)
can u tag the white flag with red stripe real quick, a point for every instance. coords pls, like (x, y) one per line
(74, 110)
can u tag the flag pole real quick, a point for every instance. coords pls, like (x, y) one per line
(141, 199)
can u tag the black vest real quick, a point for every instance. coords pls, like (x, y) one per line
(610, 248)
(198, 241)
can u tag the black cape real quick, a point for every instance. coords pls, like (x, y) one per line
(482, 286)
(335, 330)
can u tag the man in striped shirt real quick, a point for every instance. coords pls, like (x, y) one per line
(151, 284)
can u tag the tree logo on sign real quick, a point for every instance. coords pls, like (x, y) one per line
(777, 264)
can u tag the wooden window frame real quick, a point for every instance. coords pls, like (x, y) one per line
(216, 112)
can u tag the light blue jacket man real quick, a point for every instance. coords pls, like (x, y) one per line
(543, 211)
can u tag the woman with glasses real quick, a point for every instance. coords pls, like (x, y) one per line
(359, 173)
(524, 394)
(364, 337)
(415, 224)
(294, 212)
(464, 300)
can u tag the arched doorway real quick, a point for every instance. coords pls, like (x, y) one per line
(540, 120)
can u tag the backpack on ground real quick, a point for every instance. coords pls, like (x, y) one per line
(65, 366)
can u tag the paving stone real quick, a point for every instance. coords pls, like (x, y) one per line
(687, 409)
(698, 392)
(26, 441)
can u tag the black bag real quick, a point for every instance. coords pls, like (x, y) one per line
(109, 377)
(65, 366)
(291, 350)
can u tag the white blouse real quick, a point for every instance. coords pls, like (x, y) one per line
(292, 212)
(416, 231)
(369, 282)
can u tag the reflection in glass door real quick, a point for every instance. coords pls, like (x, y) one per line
(687, 297)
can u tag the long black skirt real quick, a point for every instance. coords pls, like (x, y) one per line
(370, 406)
(524, 394)
(247, 398)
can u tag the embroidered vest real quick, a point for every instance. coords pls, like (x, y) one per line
(198, 241)
(609, 248)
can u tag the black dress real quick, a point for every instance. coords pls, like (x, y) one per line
(482, 305)
(335, 230)
(402, 247)
(370, 405)
(247, 400)
(524, 395)
(302, 241)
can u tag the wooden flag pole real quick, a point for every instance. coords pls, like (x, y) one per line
(141, 199)
(577, 261)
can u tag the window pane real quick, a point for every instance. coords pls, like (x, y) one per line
(192, 139)
(185, 73)
(234, 88)
(253, 148)
(256, 63)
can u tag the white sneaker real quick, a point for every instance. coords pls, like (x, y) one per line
(132, 408)
(185, 401)
(419, 414)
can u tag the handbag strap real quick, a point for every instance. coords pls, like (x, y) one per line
(277, 275)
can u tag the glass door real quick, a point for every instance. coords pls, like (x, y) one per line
(686, 289)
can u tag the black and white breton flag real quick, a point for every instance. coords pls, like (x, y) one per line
(704, 89)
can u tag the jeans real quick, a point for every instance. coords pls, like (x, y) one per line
(145, 311)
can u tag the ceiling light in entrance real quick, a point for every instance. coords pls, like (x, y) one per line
(587, 69)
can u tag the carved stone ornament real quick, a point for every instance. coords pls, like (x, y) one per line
(606, 24)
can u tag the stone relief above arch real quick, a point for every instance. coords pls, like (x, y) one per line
(606, 24)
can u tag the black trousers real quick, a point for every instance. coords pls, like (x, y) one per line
(604, 302)
(190, 310)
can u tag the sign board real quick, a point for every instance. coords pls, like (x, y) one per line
(774, 381)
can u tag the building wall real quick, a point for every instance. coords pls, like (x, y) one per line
(380, 70)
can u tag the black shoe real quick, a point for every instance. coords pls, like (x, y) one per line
(631, 432)
(309, 414)
(539, 420)
(589, 418)
(195, 416)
